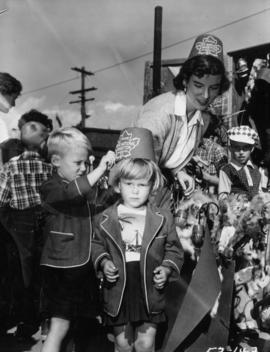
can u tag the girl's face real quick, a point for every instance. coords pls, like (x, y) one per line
(201, 92)
(241, 152)
(134, 193)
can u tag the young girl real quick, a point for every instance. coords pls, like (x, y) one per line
(136, 247)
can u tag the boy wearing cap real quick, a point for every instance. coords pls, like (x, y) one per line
(240, 175)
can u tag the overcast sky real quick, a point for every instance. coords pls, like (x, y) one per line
(42, 39)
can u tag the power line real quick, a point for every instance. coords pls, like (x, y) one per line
(151, 52)
(50, 85)
(219, 27)
(183, 40)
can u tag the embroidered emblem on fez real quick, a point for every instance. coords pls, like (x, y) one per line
(125, 145)
(209, 46)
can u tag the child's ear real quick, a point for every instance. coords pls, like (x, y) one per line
(185, 84)
(117, 188)
(55, 160)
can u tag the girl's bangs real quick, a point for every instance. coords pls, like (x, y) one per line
(136, 169)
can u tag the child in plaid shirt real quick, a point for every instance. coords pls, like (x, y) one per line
(210, 156)
(20, 206)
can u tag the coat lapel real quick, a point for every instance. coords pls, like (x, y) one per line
(153, 222)
(111, 224)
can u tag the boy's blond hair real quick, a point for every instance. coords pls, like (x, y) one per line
(62, 140)
(138, 168)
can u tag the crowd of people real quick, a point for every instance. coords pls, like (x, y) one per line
(61, 259)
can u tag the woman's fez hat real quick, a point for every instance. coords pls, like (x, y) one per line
(133, 143)
(207, 44)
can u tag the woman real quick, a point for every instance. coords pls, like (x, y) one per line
(10, 89)
(178, 119)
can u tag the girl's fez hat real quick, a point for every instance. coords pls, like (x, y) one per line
(133, 143)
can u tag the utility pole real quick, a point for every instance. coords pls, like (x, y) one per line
(157, 51)
(82, 92)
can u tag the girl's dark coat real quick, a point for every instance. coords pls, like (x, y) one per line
(160, 246)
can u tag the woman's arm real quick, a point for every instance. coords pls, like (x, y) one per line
(155, 116)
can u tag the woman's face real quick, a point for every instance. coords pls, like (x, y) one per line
(7, 101)
(201, 92)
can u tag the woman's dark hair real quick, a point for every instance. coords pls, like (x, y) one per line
(9, 84)
(199, 66)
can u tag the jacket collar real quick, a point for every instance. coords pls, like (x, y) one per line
(111, 224)
(180, 109)
(154, 220)
(58, 177)
(239, 167)
(28, 155)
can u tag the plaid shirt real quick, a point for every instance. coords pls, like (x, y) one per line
(20, 180)
(213, 156)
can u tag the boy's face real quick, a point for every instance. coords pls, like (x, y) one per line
(72, 164)
(134, 193)
(241, 152)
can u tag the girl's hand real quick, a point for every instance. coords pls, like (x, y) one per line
(161, 274)
(107, 161)
(110, 271)
(186, 182)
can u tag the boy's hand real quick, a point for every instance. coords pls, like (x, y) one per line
(110, 271)
(107, 161)
(161, 274)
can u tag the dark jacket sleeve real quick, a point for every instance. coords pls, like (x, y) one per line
(99, 251)
(58, 194)
(174, 253)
